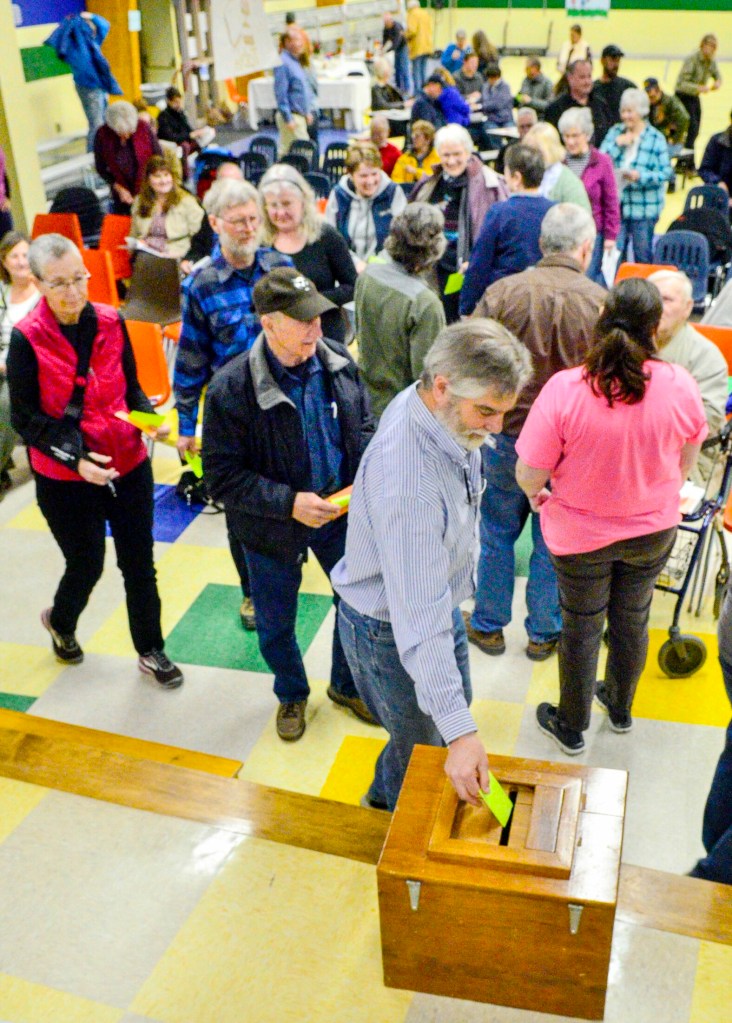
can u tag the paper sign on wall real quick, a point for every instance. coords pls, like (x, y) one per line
(240, 38)
(588, 8)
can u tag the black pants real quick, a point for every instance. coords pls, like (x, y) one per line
(693, 105)
(239, 558)
(77, 514)
(614, 582)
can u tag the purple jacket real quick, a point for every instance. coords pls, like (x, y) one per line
(602, 191)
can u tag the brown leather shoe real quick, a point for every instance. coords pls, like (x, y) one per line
(491, 643)
(541, 651)
(291, 720)
(354, 703)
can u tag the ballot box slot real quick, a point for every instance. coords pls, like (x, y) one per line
(506, 831)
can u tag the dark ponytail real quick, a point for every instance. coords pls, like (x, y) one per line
(623, 340)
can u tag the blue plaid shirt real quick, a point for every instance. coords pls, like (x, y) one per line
(642, 199)
(219, 322)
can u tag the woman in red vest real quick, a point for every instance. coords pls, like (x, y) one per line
(70, 369)
(122, 147)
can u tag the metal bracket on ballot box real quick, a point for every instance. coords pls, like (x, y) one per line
(414, 889)
(575, 915)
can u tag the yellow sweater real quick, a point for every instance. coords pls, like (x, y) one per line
(406, 169)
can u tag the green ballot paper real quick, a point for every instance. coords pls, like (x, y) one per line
(454, 283)
(497, 801)
(146, 418)
(195, 463)
(341, 502)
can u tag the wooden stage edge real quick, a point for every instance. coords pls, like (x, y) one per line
(648, 898)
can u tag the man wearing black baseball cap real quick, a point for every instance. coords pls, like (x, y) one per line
(668, 113)
(610, 86)
(285, 425)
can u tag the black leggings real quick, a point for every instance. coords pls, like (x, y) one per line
(77, 513)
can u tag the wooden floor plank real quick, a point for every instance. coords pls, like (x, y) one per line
(228, 803)
(141, 749)
(647, 898)
(679, 904)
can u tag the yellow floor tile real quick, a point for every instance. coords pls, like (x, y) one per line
(314, 579)
(353, 769)
(26, 670)
(29, 518)
(281, 936)
(24, 1002)
(304, 766)
(712, 1001)
(183, 572)
(17, 799)
(698, 700)
(498, 724)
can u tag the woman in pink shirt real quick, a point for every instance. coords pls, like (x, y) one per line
(616, 437)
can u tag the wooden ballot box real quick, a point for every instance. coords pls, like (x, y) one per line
(521, 915)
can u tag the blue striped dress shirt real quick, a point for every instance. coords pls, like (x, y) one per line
(411, 549)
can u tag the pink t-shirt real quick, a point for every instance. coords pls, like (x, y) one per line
(614, 471)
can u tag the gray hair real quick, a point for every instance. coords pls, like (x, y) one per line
(461, 34)
(579, 118)
(527, 112)
(636, 99)
(121, 117)
(475, 355)
(380, 118)
(47, 248)
(382, 68)
(564, 228)
(223, 195)
(677, 277)
(283, 178)
(416, 239)
(456, 134)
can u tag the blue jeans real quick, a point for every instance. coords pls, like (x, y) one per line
(639, 233)
(403, 71)
(94, 102)
(717, 826)
(503, 513)
(389, 693)
(274, 587)
(419, 71)
(594, 270)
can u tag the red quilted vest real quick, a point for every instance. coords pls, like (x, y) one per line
(104, 395)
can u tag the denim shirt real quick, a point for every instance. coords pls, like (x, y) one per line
(307, 388)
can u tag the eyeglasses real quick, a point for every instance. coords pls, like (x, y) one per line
(78, 283)
(474, 494)
(247, 223)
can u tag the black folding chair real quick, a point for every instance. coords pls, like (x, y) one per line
(300, 163)
(266, 146)
(308, 149)
(253, 166)
(320, 184)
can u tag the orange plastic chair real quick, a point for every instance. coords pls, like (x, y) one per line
(102, 285)
(152, 369)
(234, 95)
(115, 229)
(721, 337)
(66, 224)
(171, 337)
(626, 270)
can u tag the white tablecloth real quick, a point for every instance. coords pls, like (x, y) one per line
(352, 94)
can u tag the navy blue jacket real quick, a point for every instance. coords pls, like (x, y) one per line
(254, 453)
(716, 166)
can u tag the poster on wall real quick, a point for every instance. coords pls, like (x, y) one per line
(588, 8)
(242, 44)
(44, 12)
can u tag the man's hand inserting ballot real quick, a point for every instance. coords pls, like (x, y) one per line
(467, 767)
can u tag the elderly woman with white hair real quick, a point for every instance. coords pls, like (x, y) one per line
(292, 225)
(640, 156)
(122, 147)
(559, 183)
(464, 189)
(71, 369)
(595, 171)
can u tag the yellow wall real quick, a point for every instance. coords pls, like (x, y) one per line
(55, 105)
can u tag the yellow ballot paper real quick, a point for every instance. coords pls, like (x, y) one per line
(194, 461)
(497, 801)
(146, 418)
(454, 283)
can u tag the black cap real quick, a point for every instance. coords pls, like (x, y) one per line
(286, 290)
(651, 83)
(435, 78)
(612, 51)
(172, 93)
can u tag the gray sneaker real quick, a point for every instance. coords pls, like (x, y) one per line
(65, 647)
(619, 722)
(162, 669)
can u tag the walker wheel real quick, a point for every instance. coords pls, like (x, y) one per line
(674, 665)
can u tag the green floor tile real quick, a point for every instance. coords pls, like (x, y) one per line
(11, 701)
(210, 632)
(522, 550)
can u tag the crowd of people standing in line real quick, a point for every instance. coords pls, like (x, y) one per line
(493, 366)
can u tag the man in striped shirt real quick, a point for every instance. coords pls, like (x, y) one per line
(411, 553)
